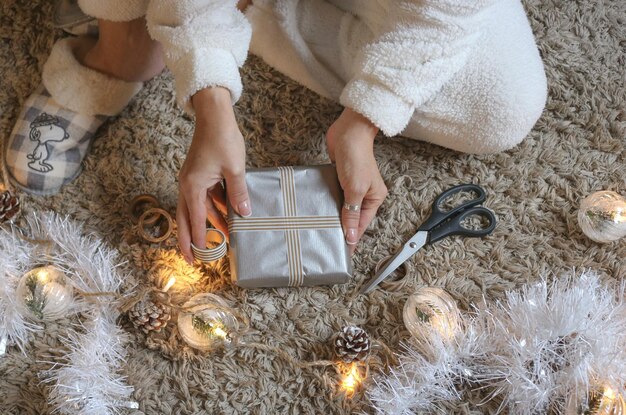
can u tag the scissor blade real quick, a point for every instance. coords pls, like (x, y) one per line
(408, 249)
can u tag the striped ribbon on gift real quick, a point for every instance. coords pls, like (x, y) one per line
(291, 224)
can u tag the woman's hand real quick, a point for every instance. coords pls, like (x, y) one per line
(217, 152)
(350, 143)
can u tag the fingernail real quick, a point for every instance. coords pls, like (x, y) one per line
(189, 260)
(244, 209)
(351, 238)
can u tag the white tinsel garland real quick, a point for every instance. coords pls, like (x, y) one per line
(554, 343)
(415, 386)
(543, 349)
(424, 381)
(88, 381)
(15, 256)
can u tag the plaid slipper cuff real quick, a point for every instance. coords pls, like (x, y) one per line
(82, 89)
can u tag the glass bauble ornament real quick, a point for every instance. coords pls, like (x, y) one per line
(44, 293)
(431, 308)
(207, 322)
(602, 216)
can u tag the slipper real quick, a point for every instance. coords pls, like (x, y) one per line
(59, 120)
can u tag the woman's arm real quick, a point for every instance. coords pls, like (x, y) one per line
(418, 47)
(350, 143)
(217, 152)
(204, 43)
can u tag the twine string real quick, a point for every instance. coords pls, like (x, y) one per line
(47, 243)
(164, 298)
(286, 356)
(128, 302)
(390, 357)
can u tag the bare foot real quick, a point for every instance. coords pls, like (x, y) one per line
(123, 50)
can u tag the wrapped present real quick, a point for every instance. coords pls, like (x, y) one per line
(294, 236)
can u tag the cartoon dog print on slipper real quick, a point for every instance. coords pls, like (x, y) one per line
(44, 129)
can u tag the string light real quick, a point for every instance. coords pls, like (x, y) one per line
(170, 284)
(608, 394)
(431, 311)
(43, 276)
(443, 324)
(218, 331)
(611, 403)
(351, 379)
(45, 294)
(602, 216)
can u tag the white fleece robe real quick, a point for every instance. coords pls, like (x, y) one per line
(466, 75)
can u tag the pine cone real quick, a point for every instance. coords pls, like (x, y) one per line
(352, 344)
(9, 205)
(149, 316)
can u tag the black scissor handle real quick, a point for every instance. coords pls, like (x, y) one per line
(455, 226)
(438, 216)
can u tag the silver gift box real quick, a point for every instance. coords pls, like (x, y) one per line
(294, 236)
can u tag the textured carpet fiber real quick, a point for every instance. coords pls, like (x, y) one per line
(577, 147)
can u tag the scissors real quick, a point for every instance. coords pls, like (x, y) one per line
(439, 224)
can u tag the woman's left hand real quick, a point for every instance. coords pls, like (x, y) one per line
(350, 143)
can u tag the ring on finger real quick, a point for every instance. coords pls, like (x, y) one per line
(351, 208)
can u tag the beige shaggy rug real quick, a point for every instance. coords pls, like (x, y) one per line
(577, 147)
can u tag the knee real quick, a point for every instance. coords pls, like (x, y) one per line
(507, 119)
(488, 107)
(504, 129)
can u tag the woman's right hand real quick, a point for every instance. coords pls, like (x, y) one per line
(217, 152)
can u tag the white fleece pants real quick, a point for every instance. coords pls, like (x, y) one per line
(488, 106)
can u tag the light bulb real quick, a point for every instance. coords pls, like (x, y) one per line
(170, 284)
(351, 380)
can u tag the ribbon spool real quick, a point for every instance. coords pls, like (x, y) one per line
(215, 237)
(147, 216)
(140, 204)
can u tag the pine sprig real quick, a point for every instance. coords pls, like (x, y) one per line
(35, 298)
(423, 317)
(213, 330)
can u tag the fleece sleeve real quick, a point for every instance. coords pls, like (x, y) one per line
(205, 42)
(418, 46)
